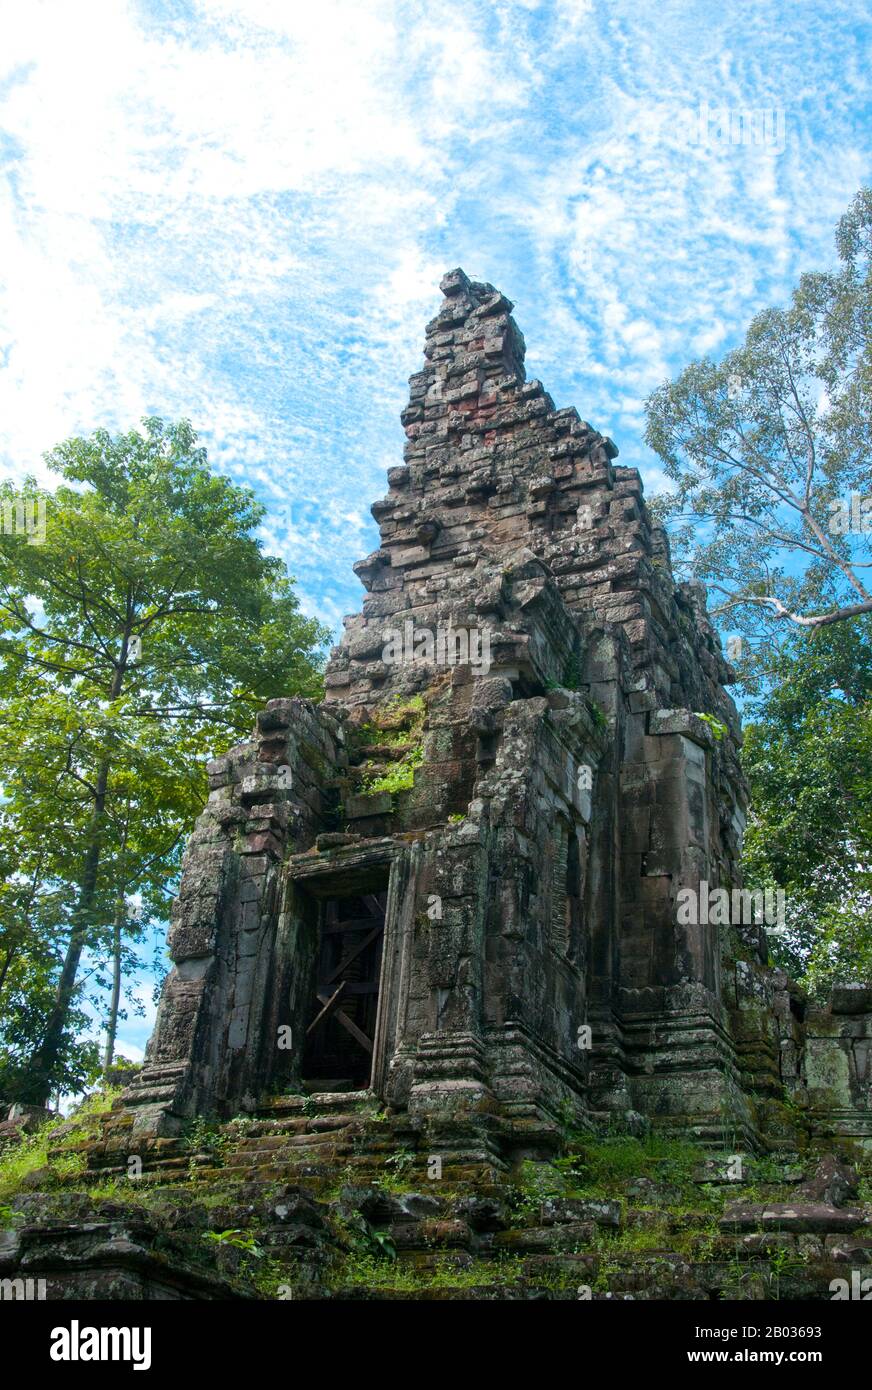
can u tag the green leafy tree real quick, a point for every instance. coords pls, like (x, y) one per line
(769, 454)
(32, 918)
(808, 758)
(139, 637)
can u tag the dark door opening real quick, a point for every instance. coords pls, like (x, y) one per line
(341, 1026)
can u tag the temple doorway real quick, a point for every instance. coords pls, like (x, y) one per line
(340, 1030)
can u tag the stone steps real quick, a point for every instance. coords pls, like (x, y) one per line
(317, 1102)
(794, 1218)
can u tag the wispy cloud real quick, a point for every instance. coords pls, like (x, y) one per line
(240, 211)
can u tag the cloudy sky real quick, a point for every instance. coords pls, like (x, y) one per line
(240, 212)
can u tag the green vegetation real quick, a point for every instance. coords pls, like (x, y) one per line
(139, 638)
(572, 673)
(213, 1140)
(239, 1239)
(398, 724)
(368, 1271)
(669, 1220)
(32, 1154)
(768, 452)
(400, 776)
(808, 758)
(718, 728)
(599, 716)
(602, 1164)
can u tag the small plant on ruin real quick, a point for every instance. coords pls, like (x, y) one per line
(238, 1239)
(599, 717)
(718, 728)
(400, 776)
(781, 1262)
(68, 1165)
(385, 1246)
(400, 1161)
(399, 723)
(566, 1113)
(205, 1139)
(572, 673)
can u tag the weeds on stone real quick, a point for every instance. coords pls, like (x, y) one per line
(385, 1244)
(534, 1183)
(271, 1277)
(67, 1166)
(399, 1165)
(368, 1271)
(33, 1152)
(603, 1164)
(400, 776)
(215, 1141)
(397, 723)
(239, 1239)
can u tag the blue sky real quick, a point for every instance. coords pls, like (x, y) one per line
(240, 212)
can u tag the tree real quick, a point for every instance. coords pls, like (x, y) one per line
(769, 451)
(808, 758)
(32, 914)
(140, 636)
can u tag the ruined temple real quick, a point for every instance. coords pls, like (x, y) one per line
(434, 963)
(453, 885)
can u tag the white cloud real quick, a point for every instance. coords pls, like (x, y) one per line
(239, 211)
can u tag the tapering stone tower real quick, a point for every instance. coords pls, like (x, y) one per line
(455, 881)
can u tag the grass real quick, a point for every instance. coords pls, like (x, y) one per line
(371, 1272)
(33, 1152)
(599, 1166)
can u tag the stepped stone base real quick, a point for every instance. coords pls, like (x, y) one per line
(325, 1196)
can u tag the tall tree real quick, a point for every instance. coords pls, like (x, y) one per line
(769, 453)
(142, 634)
(808, 758)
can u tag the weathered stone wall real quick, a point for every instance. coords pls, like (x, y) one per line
(213, 1040)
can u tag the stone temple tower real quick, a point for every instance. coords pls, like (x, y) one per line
(454, 882)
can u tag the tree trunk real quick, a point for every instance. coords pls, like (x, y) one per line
(112, 1022)
(44, 1061)
(7, 963)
